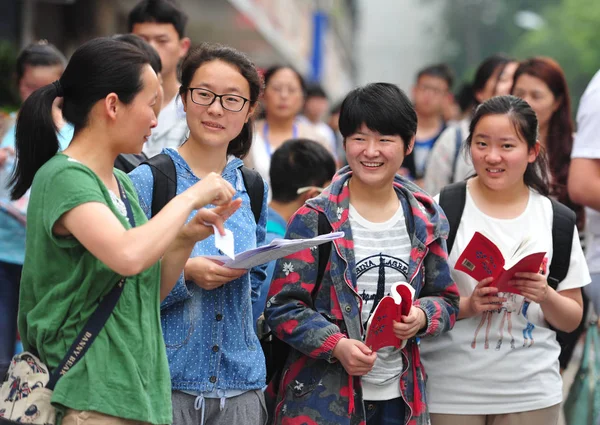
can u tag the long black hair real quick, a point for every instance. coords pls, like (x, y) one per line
(208, 52)
(525, 122)
(97, 68)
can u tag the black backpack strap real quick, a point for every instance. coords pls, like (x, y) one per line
(563, 226)
(458, 144)
(255, 186)
(165, 181)
(324, 250)
(452, 200)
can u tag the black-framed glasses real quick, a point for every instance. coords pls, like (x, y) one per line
(205, 97)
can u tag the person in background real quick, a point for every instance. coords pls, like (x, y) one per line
(291, 187)
(217, 367)
(430, 94)
(446, 163)
(393, 233)
(162, 24)
(38, 65)
(512, 374)
(584, 179)
(316, 107)
(86, 232)
(542, 84)
(127, 162)
(283, 100)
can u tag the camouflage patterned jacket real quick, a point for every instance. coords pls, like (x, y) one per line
(314, 388)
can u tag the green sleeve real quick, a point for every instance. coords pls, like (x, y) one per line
(67, 188)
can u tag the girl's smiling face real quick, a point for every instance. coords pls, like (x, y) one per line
(213, 124)
(500, 154)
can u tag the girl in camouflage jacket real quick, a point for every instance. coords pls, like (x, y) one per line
(321, 382)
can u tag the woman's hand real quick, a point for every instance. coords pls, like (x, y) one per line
(533, 286)
(212, 189)
(411, 324)
(356, 358)
(208, 274)
(200, 227)
(484, 298)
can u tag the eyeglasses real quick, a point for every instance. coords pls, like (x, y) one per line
(205, 97)
(307, 188)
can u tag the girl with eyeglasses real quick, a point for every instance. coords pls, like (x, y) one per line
(216, 362)
(282, 100)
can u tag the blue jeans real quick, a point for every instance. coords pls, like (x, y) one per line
(10, 278)
(387, 412)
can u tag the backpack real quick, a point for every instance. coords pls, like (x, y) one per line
(165, 184)
(452, 200)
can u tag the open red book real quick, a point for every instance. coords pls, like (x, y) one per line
(482, 258)
(380, 331)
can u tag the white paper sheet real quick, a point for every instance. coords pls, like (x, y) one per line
(277, 249)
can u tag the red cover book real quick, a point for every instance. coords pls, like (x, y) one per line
(482, 258)
(392, 307)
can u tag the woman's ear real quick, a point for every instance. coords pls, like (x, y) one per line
(111, 105)
(251, 111)
(183, 101)
(534, 152)
(411, 145)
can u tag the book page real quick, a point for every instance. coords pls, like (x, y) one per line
(526, 246)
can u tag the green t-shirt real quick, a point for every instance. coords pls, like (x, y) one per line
(125, 372)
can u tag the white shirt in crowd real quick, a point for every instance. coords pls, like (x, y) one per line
(505, 361)
(382, 253)
(171, 130)
(587, 145)
(441, 169)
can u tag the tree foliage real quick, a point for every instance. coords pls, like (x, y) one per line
(479, 28)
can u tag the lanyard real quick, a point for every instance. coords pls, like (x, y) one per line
(266, 137)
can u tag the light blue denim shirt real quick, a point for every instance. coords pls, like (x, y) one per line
(209, 335)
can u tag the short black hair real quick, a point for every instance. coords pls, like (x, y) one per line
(299, 163)
(486, 70)
(382, 107)
(145, 47)
(315, 90)
(440, 70)
(160, 11)
(40, 53)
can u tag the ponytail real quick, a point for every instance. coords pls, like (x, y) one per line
(36, 138)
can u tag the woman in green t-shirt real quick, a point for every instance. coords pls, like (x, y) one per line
(80, 243)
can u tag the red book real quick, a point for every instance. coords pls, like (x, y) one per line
(380, 331)
(482, 258)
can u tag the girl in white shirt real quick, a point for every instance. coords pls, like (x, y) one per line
(499, 365)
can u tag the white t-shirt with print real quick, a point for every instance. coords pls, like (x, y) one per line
(505, 361)
(587, 145)
(382, 253)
